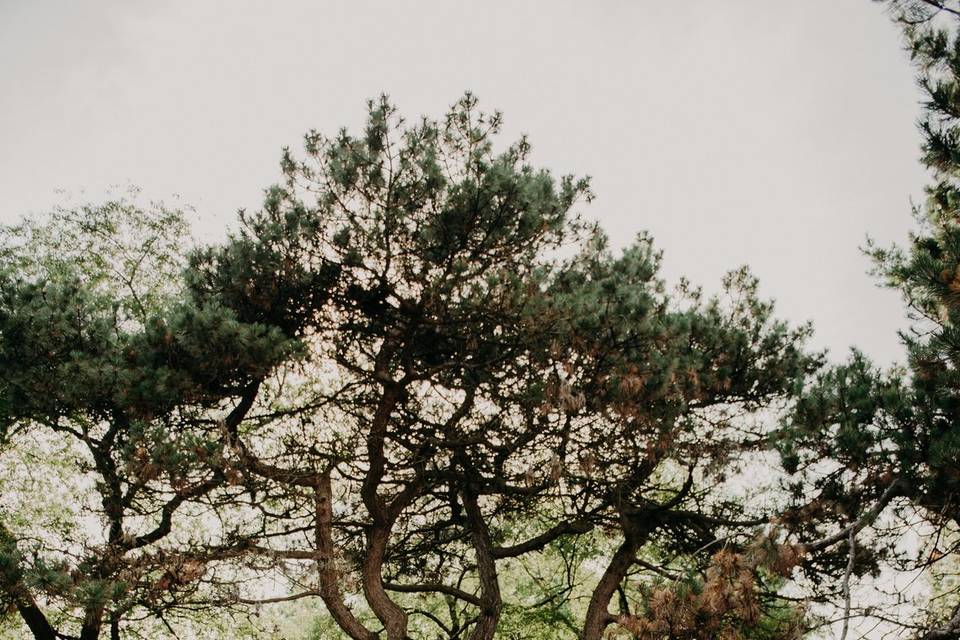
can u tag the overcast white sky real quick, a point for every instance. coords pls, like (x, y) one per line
(769, 132)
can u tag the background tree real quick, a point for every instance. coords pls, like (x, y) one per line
(892, 437)
(106, 361)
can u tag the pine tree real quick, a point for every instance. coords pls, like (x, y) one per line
(470, 396)
(894, 436)
(107, 361)
(409, 373)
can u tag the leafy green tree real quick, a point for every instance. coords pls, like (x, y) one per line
(105, 359)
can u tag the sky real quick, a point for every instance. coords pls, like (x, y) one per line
(770, 133)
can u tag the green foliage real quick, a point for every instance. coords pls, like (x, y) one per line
(108, 360)
(904, 423)
(415, 382)
(487, 380)
(860, 437)
(130, 253)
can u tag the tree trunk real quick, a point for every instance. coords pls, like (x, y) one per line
(329, 578)
(598, 615)
(92, 622)
(394, 618)
(36, 621)
(11, 582)
(490, 598)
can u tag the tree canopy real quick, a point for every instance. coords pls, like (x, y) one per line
(418, 391)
